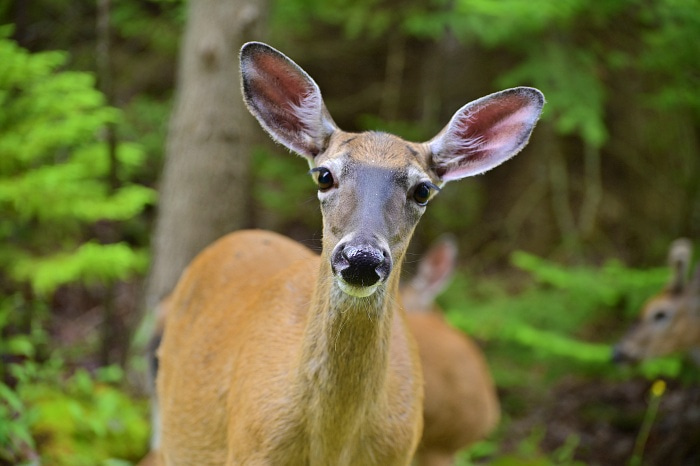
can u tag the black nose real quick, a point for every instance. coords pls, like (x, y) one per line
(361, 265)
(618, 356)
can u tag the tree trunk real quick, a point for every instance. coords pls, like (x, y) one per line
(204, 190)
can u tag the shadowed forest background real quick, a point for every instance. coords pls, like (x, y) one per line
(125, 148)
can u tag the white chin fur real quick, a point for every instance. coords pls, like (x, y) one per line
(357, 291)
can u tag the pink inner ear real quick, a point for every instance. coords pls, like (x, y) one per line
(504, 130)
(484, 134)
(275, 84)
(285, 100)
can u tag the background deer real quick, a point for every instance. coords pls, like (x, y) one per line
(461, 405)
(273, 355)
(670, 321)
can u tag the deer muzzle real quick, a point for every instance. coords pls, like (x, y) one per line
(360, 267)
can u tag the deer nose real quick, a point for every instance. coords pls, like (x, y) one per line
(619, 356)
(361, 265)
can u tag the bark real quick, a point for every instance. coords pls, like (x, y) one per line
(204, 189)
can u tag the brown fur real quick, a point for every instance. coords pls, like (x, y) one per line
(668, 323)
(461, 405)
(286, 411)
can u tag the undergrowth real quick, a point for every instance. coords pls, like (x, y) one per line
(561, 324)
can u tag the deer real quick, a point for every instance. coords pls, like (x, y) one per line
(669, 322)
(461, 405)
(460, 402)
(272, 354)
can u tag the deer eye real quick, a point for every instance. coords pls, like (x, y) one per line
(324, 178)
(660, 315)
(422, 192)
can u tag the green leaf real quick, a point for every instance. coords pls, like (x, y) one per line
(56, 176)
(11, 398)
(89, 264)
(20, 345)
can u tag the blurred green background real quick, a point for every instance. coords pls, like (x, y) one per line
(558, 248)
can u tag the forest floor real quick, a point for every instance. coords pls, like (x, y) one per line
(603, 417)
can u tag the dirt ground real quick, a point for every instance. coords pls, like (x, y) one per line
(606, 418)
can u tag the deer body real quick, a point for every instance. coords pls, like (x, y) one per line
(282, 414)
(461, 405)
(670, 321)
(272, 355)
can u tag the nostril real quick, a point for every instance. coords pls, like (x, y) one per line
(618, 356)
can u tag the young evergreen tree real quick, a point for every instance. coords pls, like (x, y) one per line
(53, 176)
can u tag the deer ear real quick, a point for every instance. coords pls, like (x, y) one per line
(285, 100)
(486, 133)
(679, 256)
(435, 270)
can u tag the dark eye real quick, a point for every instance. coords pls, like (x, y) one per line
(659, 316)
(324, 178)
(422, 193)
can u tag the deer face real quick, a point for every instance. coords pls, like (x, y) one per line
(374, 187)
(670, 321)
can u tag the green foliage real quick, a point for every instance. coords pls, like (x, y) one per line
(89, 264)
(671, 51)
(82, 419)
(611, 285)
(494, 22)
(369, 17)
(16, 438)
(145, 121)
(152, 24)
(86, 419)
(279, 186)
(527, 453)
(15, 431)
(57, 180)
(55, 174)
(556, 317)
(566, 70)
(577, 41)
(559, 323)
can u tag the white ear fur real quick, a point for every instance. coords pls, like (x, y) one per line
(486, 133)
(285, 100)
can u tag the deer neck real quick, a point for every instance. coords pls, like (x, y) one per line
(345, 356)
